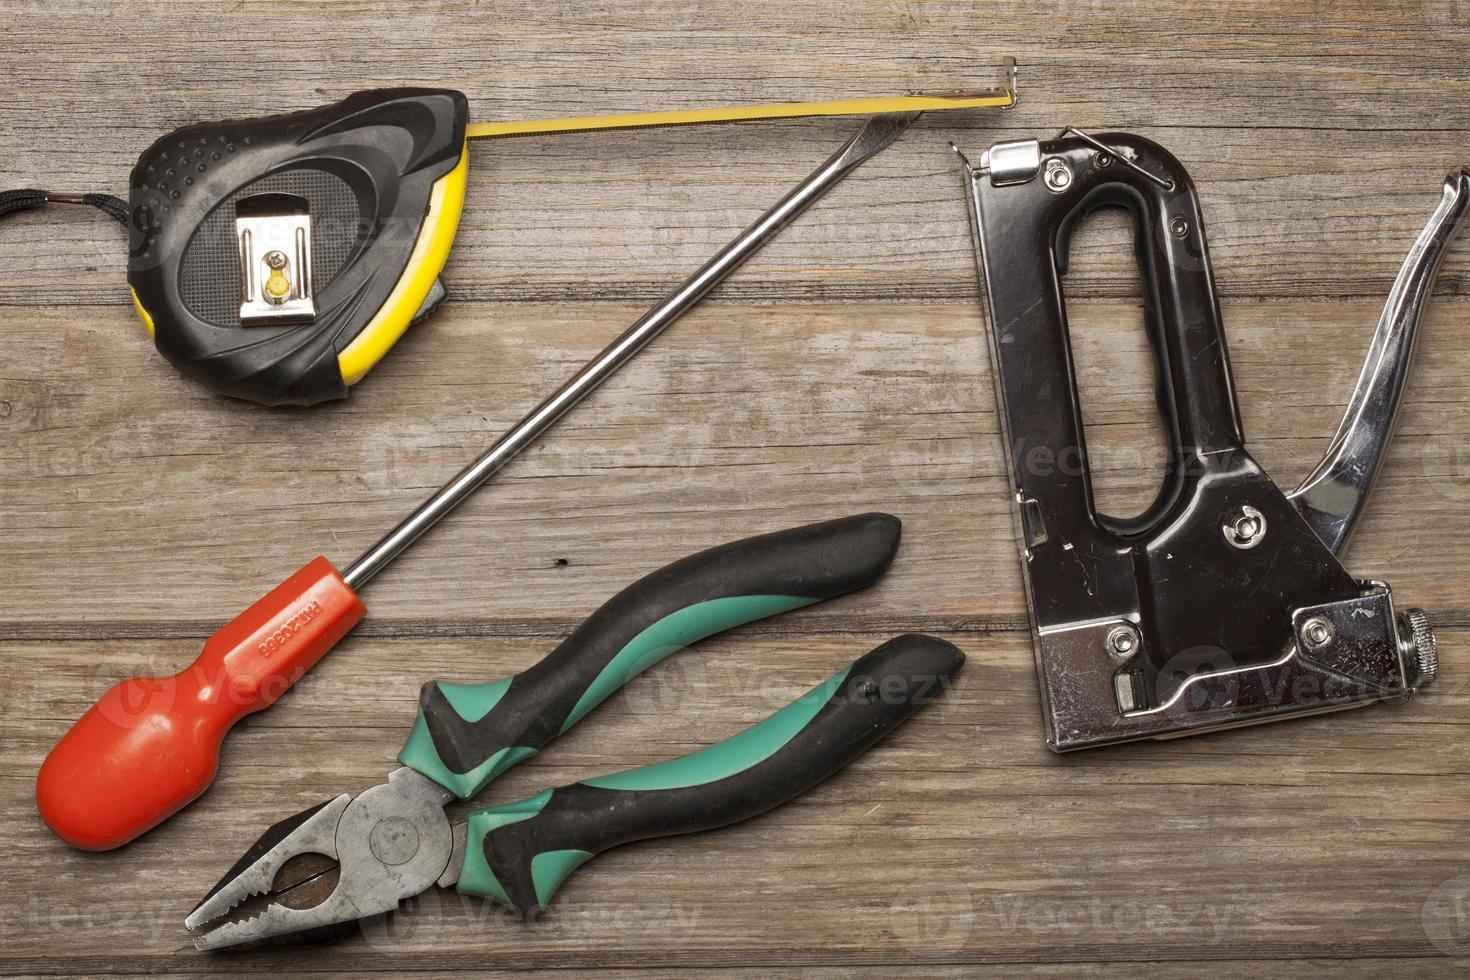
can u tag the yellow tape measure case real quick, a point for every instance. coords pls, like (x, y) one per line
(277, 259)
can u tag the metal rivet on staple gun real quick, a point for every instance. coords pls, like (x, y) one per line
(1245, 529)
(1058, 175)
(1122, 643)
(1317, 632)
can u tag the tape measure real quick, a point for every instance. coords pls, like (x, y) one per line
(278, 259)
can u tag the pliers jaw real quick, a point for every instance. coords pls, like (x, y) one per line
(386, 844)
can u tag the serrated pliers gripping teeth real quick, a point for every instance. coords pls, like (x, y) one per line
(340, 861)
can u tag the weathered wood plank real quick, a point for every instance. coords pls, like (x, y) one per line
(843, 370)
(1317, 219)
(134, 500)
(960, 840)
(1145, 971)
(1316, 171)
(1329, 969)
(1307, 969)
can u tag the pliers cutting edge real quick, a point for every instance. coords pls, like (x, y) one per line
(358, 856)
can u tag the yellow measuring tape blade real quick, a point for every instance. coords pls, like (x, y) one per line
(780, 110)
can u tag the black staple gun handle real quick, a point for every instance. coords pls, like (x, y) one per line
(1195, 394)
(1202, 611)
(1096, 560)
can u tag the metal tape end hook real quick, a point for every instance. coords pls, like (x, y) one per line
(1006, 87)
(1010, 81)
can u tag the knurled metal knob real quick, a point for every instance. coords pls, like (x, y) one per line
(1420, 648)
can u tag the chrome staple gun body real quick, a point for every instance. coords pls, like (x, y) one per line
(1224, 603)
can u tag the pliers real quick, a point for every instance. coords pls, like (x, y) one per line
(359, 856)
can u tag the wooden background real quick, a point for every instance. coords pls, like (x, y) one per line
(843, 370)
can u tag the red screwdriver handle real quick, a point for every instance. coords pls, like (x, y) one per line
(150, 745)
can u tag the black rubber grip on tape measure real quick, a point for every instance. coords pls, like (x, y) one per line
(366, 165)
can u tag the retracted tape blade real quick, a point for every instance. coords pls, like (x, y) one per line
(997, 98)
(278, 259)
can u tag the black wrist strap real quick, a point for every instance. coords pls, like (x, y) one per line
(15, 201)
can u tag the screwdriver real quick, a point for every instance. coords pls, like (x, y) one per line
(150, 745)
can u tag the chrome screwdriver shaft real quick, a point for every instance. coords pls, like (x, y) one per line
(877, 133)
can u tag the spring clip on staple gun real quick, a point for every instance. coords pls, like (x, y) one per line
(1224, 603)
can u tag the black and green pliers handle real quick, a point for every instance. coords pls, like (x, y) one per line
(467, 735)
(519, 853)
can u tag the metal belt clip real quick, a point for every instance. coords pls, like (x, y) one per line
(274, 236)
